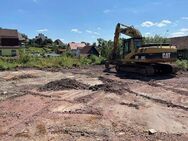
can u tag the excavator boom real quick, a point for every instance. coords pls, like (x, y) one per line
(126, 30)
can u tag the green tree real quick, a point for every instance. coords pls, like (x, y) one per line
(103, 47)
(156, 39)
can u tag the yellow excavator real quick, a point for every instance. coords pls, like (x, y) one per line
(135, 57)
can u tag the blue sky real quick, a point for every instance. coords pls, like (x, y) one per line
(87, 20)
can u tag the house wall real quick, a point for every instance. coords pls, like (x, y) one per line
(75, 52)
(8, 52)
(9, 42)
(183, 54)
(94, 52)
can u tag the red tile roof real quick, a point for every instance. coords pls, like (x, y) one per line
(8, 33)
(76, 45)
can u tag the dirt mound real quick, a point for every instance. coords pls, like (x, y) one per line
(110, 86)
(66, 84)
(63, 84)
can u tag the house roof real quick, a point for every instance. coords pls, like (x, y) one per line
(41, 36)
(87, 49)
(21, 37)
(8, 33)
(180, 42)
(59, 42)
(76, 45)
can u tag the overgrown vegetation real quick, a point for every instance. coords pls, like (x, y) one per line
(156, 40)
(65, 61)
(183, 64)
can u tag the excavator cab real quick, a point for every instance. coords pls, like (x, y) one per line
(130, 45)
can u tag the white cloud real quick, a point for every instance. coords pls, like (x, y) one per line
(89, 31)
(43, 30)
(62, 39)
(76, 30)
(181, 32)
(163, 23)
(184, 30)
(147, 34)
(147, 24)
(157, 24)
(177, 34)
(107, 11)
(184, 18)
(93, 32)
(96, 33)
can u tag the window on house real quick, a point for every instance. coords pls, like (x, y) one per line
(0, 52)
(13, 52)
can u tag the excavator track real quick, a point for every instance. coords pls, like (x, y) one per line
(145, 69)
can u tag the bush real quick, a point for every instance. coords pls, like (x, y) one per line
(85, 61)
(7, 64)
(24, 57)
(96, 60)
(183, 64)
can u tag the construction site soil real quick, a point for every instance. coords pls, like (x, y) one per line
(88, 104)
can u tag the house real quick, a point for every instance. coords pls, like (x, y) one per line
(23, 39)
(75, 47)
(41, 40)
(182, 45)
(89, 50)
(41, 36)
(9, 43)
(58, 42)
(61, 50)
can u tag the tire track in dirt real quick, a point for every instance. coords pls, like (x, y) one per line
(122, 89)
(167, 103)
(178, 91)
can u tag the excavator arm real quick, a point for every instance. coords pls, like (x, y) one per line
(126, 30)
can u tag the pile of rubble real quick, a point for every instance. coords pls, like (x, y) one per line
(66, 84)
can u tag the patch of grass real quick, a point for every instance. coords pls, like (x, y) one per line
(96, 60)
(50, 62)
(182, 64)
(65, 61)
(6, 64)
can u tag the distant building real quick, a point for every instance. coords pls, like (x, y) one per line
(182, 45)
(75, 47)
(9, 43)
(23, 39)
(61, 50)
(88, 51)
(41, 36)
(58, 42)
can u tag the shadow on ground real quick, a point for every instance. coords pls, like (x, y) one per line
(134, 76)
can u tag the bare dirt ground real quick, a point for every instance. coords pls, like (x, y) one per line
(89, 104)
